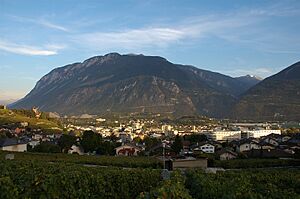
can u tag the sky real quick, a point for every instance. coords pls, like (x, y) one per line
(233, 37)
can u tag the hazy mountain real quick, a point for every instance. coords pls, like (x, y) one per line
(133, 83)
(7, 101)
(249, 80)
(276, 97)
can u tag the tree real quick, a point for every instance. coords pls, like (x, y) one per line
(107, 148)
(46, 147)
(150, 142)
(194, 138)
(177, 144)
(90, 141)
(66, 141)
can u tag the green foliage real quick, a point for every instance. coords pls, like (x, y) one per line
(270, 184)
(43, 180)
(107, 148)
(177, 145)
(46, 147)
(66, 141)
(117, 161)
(90, 141)
(255, 163)
(150, 142)
(7, 188)
(194, 138)
(173, 188)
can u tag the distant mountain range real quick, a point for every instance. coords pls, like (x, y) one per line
(249, 80)
(6, 102)
(275, 98)
(117, 83)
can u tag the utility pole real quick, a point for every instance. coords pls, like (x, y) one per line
(164, 155)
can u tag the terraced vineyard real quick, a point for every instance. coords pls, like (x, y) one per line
(10, 117)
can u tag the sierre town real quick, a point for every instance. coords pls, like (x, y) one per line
(149, 148)
(128, 99)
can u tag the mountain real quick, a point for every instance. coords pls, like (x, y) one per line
(249, 80)
(275, 98)
(116, 83)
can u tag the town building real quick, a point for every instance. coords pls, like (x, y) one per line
(226, 154)
(225, 135)
(261, 133)
(10, 144)
(127, 150)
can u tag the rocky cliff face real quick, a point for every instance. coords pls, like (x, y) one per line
(117, 83)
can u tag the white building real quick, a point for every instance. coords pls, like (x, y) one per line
(247, 146)
(261, 133)
(9, 144)
(207, 148)
(226, 135)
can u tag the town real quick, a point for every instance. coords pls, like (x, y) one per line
(184, 139)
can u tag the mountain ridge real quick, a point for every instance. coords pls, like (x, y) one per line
(275, 98)
(115, 82)
(130, 84)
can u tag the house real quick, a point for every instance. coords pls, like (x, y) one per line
(186, 148)
(285, 138)
(128, 150)
(247, 145)
(204, 147)
(2, 107)
(76, 150)
(271, 140)
(264, 145)
(226, 154)
(11, 144)
(33, 143)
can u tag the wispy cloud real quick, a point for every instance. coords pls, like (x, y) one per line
(158, 36)
(238, 27)
(25, 49)
(51, 25)
(41, 22)
(131, 38)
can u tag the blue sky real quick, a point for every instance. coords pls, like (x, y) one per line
(227, 36)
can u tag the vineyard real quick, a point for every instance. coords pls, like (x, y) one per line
(255, 163)
(30, 179)
(130, 162)
(72, 176)
(270, 183)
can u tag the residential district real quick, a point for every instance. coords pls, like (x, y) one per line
(207, 139)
